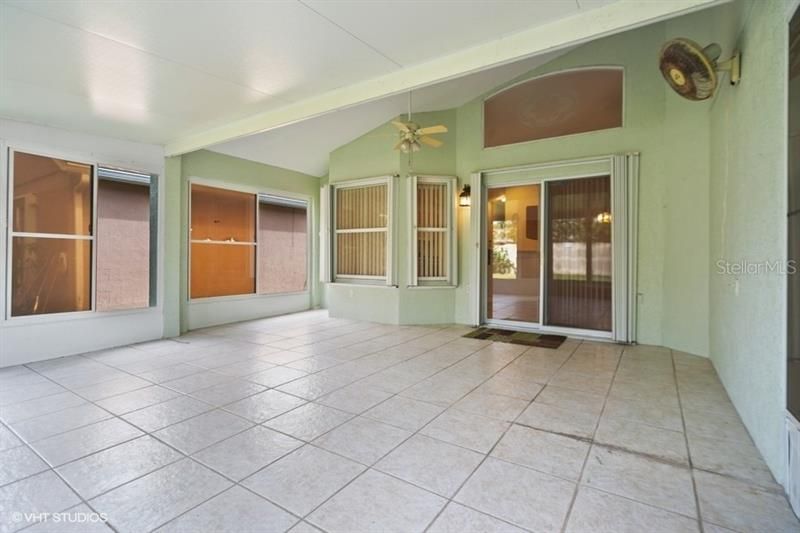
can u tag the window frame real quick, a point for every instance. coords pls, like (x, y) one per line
(388, 279)
(7, 171)
(258, 192)
(451, 257)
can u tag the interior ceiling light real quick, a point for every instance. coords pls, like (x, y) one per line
(604, 217)
(411, 134)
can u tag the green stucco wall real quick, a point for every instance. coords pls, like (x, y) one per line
(748, 223)
(672, 137)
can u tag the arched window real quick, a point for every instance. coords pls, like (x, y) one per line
(553, 105)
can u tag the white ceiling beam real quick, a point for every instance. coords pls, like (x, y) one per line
(577, 29)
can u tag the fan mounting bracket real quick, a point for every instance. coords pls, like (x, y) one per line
(733, 67)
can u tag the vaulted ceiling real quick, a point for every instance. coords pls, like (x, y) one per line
(194, 74)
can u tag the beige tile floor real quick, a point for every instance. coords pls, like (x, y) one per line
(307, 423)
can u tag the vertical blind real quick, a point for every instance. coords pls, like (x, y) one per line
(361, 231)
(432, 230)
(579, 253)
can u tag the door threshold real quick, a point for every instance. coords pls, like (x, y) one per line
(528, 327)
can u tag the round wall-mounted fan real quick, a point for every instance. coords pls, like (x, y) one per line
(691, 70)
(411, 134)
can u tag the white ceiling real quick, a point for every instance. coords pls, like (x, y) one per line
(193, 73)
(155, 71)
(305, 146)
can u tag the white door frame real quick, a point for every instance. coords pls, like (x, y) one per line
(623, 170)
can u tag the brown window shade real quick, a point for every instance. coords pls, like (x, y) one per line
(50, 275)
(432, 226)
(282, 249)
(222, 215)
(123, 245)
(223, 237)
(51, 195)
(361, 231)
(559, 104)
(222, 269)
(579, 253)
(361, 207)
(432, 255)
(361, 254)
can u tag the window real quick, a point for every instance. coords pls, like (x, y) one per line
(562, 103)
(247, 243)
(432, 230)
(55, 239)
(125, 238)
(362, 227)
(223, 242)
(283, 245)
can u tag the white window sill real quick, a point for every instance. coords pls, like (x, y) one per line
(244, 297)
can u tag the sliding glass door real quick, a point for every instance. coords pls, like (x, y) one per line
(578, 281)
(549, 254)
(513, 280)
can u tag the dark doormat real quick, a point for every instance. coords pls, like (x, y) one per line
(517, 337)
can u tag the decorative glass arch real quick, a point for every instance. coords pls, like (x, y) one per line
(554, 105)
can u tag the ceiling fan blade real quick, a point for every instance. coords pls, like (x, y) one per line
(430, 141)
(402, 126)
(432, 129)
(397, 146)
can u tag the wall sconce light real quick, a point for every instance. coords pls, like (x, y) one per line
(464, 199)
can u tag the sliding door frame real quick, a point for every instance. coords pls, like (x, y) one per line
(623, 174)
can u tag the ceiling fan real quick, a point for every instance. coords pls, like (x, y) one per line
(411, 134)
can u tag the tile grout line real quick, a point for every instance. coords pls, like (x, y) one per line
(591, 443)
(686, 442)
(305, 443)
(400, 362)
(379, 349)
(180, 394)
(63, 480)
(510, 425)
(371, 467)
